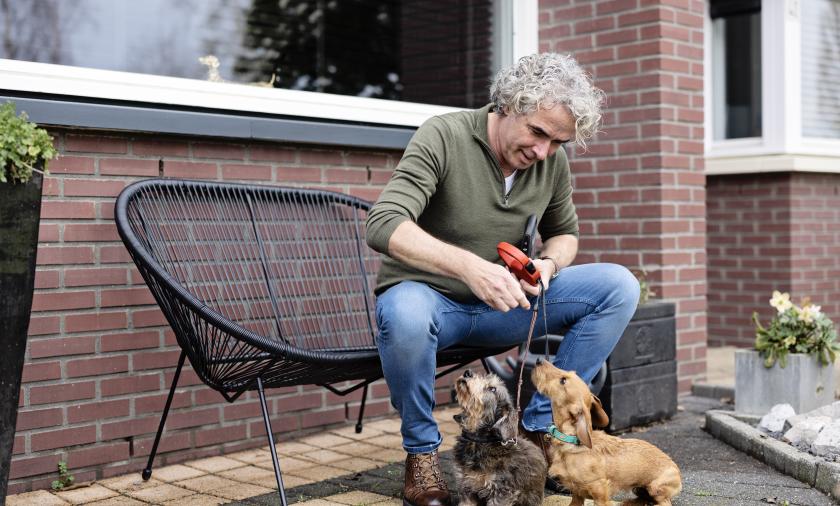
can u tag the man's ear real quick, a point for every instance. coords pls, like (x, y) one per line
(599, 416)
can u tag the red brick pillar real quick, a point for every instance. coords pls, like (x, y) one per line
(640, 190)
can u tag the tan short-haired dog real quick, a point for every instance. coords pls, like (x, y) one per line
(593, 464)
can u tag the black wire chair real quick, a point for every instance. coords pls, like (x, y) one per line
(263, 286)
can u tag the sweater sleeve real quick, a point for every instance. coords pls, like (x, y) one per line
(411, 186)
(560, 217)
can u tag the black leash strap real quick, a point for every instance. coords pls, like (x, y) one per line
(534, 311)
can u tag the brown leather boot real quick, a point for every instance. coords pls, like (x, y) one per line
(424, 483)
(539, 439)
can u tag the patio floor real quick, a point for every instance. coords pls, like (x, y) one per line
(318, 470)
(315, 460)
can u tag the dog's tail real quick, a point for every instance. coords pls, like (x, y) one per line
(663, 488)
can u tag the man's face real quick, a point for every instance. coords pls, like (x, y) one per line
(527, 138)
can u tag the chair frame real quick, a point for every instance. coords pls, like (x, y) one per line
(270, 359)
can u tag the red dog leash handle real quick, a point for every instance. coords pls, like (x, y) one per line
(518, 262)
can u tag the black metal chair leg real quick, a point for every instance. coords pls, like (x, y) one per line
(147, 473)
(271, 447)
(361, 410)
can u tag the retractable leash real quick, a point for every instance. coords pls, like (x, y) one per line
(523, 268)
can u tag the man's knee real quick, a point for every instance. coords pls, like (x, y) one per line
(624, 285)
(405, 313)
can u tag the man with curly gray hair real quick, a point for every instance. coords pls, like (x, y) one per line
(542, 81)
(467, 181)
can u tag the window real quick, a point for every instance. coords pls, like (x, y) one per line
(429, 51)
(736, 64)
(773, 86)
(821, 68)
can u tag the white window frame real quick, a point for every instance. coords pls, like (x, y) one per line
(521, 29)
(781, 146)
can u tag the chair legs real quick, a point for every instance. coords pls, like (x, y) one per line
(277, 476)
(147, 473)
(361, 410)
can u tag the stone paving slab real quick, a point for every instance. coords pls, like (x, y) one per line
(39, 497)
(87, 494)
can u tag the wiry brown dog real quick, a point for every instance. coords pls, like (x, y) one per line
(494, 467)
(599, 465)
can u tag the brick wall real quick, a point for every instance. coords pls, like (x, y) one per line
(774, 231)
(100, 358)
(640, 189)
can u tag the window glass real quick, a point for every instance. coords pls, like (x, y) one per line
(736, 65)
(821, 68)
(430, 51)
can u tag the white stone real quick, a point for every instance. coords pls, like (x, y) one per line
(828, 440)
(774, 421)
(805, 431)
(830, 410)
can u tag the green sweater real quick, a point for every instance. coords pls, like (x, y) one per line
(450, 183)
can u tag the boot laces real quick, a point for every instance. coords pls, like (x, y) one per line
(426, 469)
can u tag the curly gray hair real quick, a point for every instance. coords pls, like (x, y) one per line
(540, 81)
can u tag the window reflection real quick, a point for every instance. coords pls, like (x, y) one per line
(736, 61)
(821, 68)
(433, 51)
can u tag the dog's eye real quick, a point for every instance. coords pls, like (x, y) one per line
(562, 381)
(492, 389)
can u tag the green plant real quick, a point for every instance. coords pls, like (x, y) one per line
(22, 145)
(645, 291)
(65, 479)
(795, 329)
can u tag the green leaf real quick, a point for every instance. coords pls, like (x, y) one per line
(22, 145)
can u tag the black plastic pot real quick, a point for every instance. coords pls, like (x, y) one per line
(20, 214)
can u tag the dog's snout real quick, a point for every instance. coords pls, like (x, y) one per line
(539, 360)
(467, 374)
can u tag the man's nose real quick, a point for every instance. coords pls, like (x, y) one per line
(541, 149)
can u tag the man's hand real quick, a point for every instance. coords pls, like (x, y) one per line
(546, 268)
(494, 285)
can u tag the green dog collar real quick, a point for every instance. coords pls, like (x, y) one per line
(556, 434)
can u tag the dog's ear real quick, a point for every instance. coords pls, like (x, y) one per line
(506, 426)
(599, 416)
(583, 425)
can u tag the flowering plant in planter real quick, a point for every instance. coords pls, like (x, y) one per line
(795, 329)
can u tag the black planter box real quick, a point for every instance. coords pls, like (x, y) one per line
(641, 384)
(20, 206)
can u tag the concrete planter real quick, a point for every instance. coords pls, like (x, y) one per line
(802, 383)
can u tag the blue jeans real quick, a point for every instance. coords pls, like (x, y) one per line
(594, 301)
